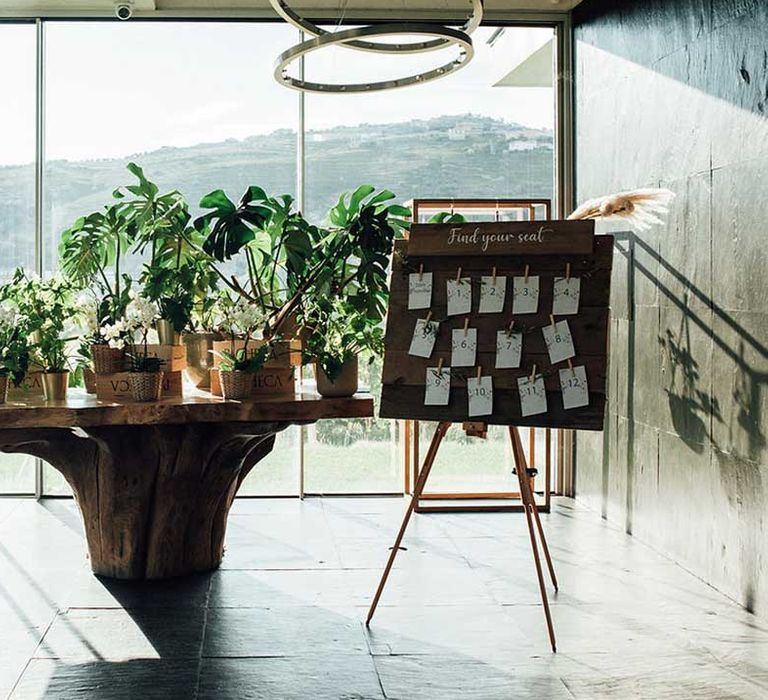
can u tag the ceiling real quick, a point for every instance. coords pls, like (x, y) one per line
(149, 8)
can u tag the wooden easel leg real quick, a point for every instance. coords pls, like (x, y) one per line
(440, 432)
(529, 507)
(531, 503)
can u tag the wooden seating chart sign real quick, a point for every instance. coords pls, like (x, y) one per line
(499, 322)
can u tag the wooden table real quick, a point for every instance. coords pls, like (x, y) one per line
(154, 482)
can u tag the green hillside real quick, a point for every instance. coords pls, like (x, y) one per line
(456, 156)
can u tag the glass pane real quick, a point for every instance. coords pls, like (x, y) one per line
(473, 134)
(195, 104)
(278, 474)
(17, 190)
(355, 456)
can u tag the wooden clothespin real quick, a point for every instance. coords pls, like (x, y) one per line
(552, 320)
(451, 207)
(570, 366)
(458, 274)
(493, 281)
(511, 326)
(527, 270)
(429, 317)
(498, 213)
(440, 366)
(479, 372)
(466, 326)
(533, 374)
(421, 271)
(567, 271)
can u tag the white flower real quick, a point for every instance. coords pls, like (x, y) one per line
(141, 313)
(9, 312)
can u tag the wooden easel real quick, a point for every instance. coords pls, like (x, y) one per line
(529, 508)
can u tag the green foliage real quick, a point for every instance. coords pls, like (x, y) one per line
(243, 361)
(447, 217)
(14, 331)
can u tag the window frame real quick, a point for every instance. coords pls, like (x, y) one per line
(559, 22)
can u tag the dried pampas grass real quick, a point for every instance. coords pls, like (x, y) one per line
(640, 209)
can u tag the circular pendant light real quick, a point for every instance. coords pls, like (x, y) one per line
(284, 10)
(444, 35)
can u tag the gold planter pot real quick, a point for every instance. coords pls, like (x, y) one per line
(89, 377)
(199, 358)
(107, 360)
(236, 385)
(55, 385)
(146, 386)
(166, 333)
(3, 388)
(344, 385)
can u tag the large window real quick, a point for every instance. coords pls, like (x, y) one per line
(17, 189)
(196, 105)
(467, 135)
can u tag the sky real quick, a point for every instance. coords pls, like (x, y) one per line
(115, 89)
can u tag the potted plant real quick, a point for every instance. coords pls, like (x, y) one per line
(50, 353)
(178, 266)
(245, 355)
(90, 253)
(14, 350)
(202, 331)
(339, 334)
(146, 375)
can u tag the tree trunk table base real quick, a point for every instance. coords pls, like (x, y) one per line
(154, 498)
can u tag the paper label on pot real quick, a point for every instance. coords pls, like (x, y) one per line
(525, 295)
(573, 383)
(424, 336)
(480, 392)
(566, 292)
(509, 349)
(463, 347)
(420, 290)
(493, 292)
(438, 386)
(558, 341)
(459, 294)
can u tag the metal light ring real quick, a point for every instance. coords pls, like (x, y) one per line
(450, 36)
(293, 18)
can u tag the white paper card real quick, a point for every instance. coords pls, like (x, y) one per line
(463, 347)
(566, 296)
(459, 296)
(480, 393)
(533, 396)
(424, 336)
(509, 349)
(573, 383)
(438, 386)
(559, 342)
(525, 295)
(492, 294)
(420, 290)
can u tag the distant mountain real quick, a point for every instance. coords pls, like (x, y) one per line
(451, 156)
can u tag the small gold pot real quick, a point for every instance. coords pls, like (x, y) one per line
(166, 333)
(344, 385)
(236, 385)
(55, 385)
(146, 386)
(3, 388)
(199, 358)
(107, 360)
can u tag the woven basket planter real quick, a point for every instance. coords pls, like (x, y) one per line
(146, 386)
(236, 385)
(107, 360)
(3, 388)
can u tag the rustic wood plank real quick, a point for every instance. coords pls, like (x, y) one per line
(502, 238)
(83, 410)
